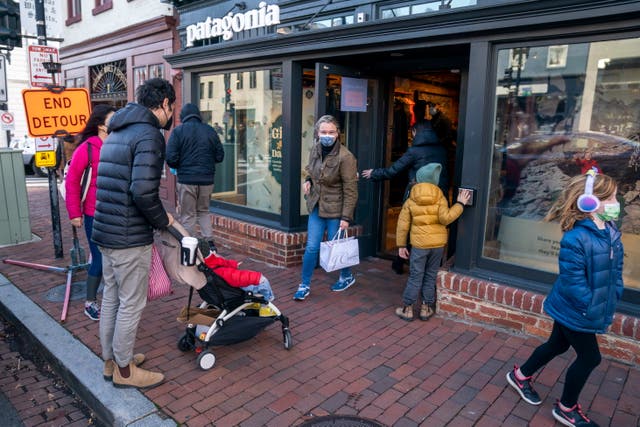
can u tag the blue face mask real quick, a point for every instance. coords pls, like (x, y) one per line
(327, 140)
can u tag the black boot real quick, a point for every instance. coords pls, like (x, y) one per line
(397, 265)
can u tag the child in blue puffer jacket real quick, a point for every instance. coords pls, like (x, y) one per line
(583, 299)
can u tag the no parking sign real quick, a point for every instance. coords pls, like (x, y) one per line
(6, 121)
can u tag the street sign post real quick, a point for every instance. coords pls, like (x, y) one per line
(4, 97)
(45, 153)
(56, 113)
(39, 76)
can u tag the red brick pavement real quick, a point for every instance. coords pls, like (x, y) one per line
(351, 355)
(35, 391)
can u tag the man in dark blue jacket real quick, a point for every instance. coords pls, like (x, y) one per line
(193, 150)
(128, 208)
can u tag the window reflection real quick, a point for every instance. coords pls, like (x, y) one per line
(249, 124)
(416, 8)
(559, 111)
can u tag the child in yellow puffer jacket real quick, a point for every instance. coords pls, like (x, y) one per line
(425, 215)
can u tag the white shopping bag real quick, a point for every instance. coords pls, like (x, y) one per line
(339, 252)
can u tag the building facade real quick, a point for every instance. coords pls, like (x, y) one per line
(111, 56)
(525, 94)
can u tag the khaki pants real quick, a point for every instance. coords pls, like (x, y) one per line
(126, 280)
(194, 203)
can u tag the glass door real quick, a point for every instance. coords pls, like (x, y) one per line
(354, 100)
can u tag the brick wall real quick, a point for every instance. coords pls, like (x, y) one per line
(477, 300)
(462, 296)
(262, 243)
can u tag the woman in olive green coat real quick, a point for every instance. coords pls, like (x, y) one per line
(331, 191)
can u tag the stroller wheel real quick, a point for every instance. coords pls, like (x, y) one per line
(185, 343)
(206, 360)
(288, 341)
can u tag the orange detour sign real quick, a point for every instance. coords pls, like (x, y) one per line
(56, 113)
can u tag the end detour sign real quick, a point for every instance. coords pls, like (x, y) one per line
(56, 113)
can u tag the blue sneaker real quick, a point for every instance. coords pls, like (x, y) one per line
(343, 284)
(92, 310)
(302, 292)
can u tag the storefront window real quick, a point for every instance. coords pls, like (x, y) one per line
(156, 71)
(249, 124)
(559, 110)
(74, 82)
(418, 7)
(143, 73)
(139, 76)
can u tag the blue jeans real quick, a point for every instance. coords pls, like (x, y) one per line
(96, 257)
(315, 231)
(263, 288)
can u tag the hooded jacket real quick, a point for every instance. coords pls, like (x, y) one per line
(334, 182)
(194, 148)
(128, 204)
(426, 148)
(426, 214)
(585, 294)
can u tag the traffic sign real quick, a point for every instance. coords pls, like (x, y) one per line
(45, 144)
(45, 159)
(56, 113)
(6, 120)
(53, 21)
(40, 77)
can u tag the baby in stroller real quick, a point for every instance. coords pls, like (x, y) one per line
(237, 303)
(249, 280)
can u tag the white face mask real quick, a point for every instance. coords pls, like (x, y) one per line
(611, 212)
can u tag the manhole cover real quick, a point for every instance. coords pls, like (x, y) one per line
(340, 421)
(78, 291)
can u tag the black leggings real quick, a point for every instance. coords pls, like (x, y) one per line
(588, 357)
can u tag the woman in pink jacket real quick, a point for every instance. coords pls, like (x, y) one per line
(81, 212)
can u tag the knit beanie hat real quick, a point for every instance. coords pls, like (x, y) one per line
(429, 173)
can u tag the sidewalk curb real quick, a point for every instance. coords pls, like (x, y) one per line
(79, 367)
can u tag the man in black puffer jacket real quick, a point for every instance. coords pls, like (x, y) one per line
(128, 208)
(193, 150)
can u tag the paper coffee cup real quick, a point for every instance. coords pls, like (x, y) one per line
(189, 246)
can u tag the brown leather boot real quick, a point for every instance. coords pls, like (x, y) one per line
(405, 312)
(426, 311)
(109, 365)
(138, 378)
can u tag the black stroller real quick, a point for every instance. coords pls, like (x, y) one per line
(228, 314)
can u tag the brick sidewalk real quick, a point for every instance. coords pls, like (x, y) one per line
(37, 393)
(351, 355)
